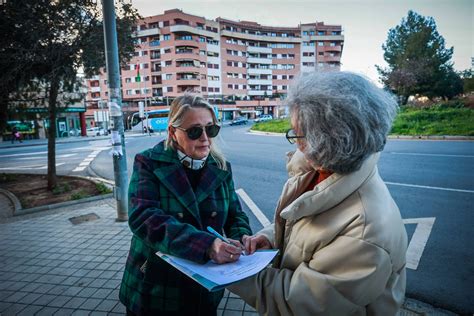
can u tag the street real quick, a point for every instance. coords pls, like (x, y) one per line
(431, 181)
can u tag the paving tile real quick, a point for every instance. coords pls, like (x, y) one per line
(4, 306)
(86, 292)
(249, 308)
(75, 302)
(18, 286)
(13, 309)
(96, 313)
(234, 304)
(106, 305)
(5, 294)
(112, 284)
(44, 288)
(250, 314)
(119, 308)
(64, 312)
(30, 298)
(72, 290)
(44, 299)
(90, 303)
(58, 290)
(15, 297)
(98, 283)
(46, 311)
(71, 280)
(59, 301)
(102, 293)
(231, 313)
(30, 310)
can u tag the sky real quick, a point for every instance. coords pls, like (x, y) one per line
(365, 22)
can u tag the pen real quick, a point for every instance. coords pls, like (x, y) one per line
(215, 233)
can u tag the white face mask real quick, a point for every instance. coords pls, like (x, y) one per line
(191, 163)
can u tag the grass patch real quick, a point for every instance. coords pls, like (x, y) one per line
(274, 126)
(436, 120)
(79, 195)
(102, 188)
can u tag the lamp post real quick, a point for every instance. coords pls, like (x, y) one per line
(115, 108)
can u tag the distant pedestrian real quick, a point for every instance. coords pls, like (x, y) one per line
(16, 135)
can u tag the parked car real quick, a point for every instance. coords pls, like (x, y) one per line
(239, 121)
(96, 131)
(263, 118)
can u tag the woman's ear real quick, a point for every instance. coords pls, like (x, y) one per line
(171, 130)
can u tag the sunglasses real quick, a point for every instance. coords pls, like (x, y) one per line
(195, 132)
(291, 136)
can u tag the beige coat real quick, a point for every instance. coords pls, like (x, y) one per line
(343, 248)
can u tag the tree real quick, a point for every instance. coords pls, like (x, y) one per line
(48, 42)
(418, 61)
(468, 80)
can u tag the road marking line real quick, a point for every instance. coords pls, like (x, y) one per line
(46, 157)
(418, 240)
(79, 169)
(431, 155)
(428, 187)
(253, 207)
(83, 165)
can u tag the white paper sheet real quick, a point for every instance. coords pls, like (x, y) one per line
(222, 274)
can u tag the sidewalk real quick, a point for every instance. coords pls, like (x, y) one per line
(50, 266)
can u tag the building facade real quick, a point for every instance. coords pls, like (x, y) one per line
(224, 60)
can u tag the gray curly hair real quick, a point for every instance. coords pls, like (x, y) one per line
(344, 117)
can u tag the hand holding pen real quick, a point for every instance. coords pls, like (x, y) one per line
(224, 250)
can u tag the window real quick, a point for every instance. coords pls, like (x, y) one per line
(128, 80)
(291, 77)
(202, 39)
(320, 43)
(321, 33)
(168, 76)
(320, 53)
(166, 37)
(210, 89)
(274, 77)
(137, 91)
(305, 33)
(128, 92)
(168, 63)
(230, 86)
(166, 23)
(217, 89)
(167, 51)
(332, 44)
(169, 89)
(204, 89)
(184, 38)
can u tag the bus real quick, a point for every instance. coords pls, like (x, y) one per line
(157, 120)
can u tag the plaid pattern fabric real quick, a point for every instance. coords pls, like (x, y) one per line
(166, 215)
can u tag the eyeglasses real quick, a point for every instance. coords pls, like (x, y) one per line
(196, 131)
(291, 136)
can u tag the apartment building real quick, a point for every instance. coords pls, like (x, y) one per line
(223, 60)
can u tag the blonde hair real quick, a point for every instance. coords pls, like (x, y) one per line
(178, 109)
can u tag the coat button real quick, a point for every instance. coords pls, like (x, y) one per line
(180, 215)
(213, 214)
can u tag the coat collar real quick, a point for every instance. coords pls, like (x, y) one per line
(172, 175)
(329, 192)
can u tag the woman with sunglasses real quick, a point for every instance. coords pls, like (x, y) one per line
(341, 238)
(177, 189)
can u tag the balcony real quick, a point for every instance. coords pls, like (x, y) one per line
(259, 92)
(259, 71)
(256, 49)
(95, 89)
(266, 82)
(193, 30)
(147, 32)
(326, 38)
(258, 60)
(263, 38)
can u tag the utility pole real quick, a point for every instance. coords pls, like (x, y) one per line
(115, 108)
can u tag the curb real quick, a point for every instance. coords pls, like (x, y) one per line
(62, 204)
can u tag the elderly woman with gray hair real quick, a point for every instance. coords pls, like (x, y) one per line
(340, 235)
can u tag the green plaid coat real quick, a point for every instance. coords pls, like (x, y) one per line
(165, 214)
